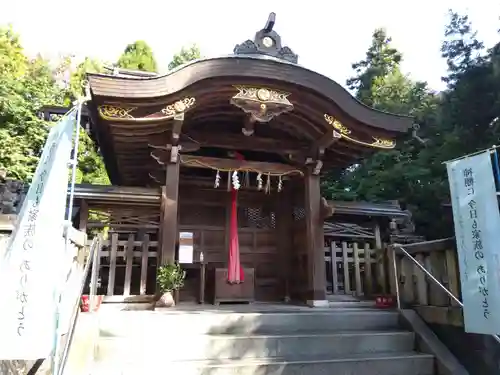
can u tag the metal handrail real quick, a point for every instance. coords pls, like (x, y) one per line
(96, 243)
(426, 273)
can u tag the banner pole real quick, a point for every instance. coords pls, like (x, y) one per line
(73, 162)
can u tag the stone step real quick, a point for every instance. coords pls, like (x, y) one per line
(350, 304)
(373, 364)
(205, 347)
(172, 323)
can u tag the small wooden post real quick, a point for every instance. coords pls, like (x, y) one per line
(368, 289)
(382, 279)
(357, 269)
(335, 276)
(453, 274)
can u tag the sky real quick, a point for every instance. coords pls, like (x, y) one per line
(327, 35)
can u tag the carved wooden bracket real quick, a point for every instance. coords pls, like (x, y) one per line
(261, 103)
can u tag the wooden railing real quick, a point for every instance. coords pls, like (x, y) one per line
(127, 268)
(417, 291)
(354, 259)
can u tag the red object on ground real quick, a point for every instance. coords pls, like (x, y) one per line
(234, 270)
(85, 305)
(384, 301)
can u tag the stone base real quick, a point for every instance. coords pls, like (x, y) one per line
(318, 303)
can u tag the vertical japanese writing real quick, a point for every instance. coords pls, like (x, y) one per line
(477, 242)
(461, 243)
(29, 233)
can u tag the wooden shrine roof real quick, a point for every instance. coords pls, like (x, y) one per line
(320, 107)
(258, 102)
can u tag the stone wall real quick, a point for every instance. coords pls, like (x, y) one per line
(480, 354)
(11, 196)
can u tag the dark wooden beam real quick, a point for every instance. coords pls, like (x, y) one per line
(324, 142)
(284, 222)
(83, 216)
(240, 142)
(176, 129)
(168, 217)
(316, 272)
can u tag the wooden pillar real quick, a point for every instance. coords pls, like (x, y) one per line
(168, 219)
(284, 229)
(316, 270)
(383, 260)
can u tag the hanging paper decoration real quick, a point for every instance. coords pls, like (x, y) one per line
(217, 180)
(236, 181)
(280, 184)
(259, 181)
(268, 184)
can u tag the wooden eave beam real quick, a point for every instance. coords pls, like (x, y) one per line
(240, 142)
(325, 141)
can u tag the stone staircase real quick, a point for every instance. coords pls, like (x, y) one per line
(277, 341)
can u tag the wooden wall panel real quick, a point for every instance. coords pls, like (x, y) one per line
(204, 214)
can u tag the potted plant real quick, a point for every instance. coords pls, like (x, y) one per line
(170, 277)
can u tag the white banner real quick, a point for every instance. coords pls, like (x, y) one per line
(477, 229)
(29, 269)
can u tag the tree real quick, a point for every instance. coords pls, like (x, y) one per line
(138, 56)
(461, 49)
(394, 174)
(25, 87)
(381, 59)
(185, 55)
(462, 119)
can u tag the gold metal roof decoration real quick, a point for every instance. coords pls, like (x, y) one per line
(262, 103)
(123, 113)
(113, 112)
(346, 133)
(179, 106)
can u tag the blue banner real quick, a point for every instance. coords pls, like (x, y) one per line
(29, 268)
(477, 229)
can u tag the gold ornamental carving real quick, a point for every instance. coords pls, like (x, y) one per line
(262, 103)
(113, 112)
(124, 113)
(178, 107)
(345, 133)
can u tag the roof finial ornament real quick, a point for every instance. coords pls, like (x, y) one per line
(267, 42)
(271, 20)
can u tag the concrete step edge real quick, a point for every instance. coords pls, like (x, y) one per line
(206, 313)
(331, 334)
(302, 361)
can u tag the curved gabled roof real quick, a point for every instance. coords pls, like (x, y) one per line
(309, 116)
(249, 67)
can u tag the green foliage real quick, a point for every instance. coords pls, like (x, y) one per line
(462, 119)
(185, 55)
(381, 59)
(138, 56)
(25, 87)
(170, 277)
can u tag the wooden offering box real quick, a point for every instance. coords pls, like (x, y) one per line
(225, 292)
